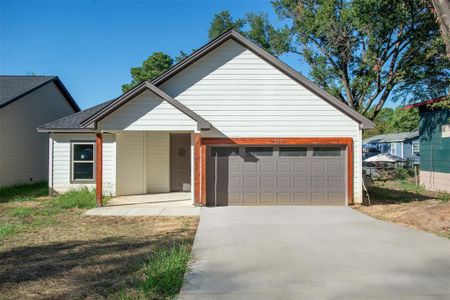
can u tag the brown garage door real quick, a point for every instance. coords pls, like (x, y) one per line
(276, 175)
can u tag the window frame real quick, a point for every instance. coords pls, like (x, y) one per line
(325, 147)
(392, 147)
(282, 149)
(412, 148)
(249, 154)
(73, 161)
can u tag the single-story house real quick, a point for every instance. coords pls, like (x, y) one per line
(26, 102)
(404, 144)
(230, 123)
(434, 128)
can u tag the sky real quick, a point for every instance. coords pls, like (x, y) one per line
(91, 45)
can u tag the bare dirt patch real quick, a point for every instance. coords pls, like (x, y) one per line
(403, 203)
(85, 257)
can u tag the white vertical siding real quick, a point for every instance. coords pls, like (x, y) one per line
(158, 162)
(147, 112)
(24, 151)
(62, 161)
(244, 96)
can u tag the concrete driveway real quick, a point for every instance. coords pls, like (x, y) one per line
(313, 253)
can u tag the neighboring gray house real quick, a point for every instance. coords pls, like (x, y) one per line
(230, 123)
(25, 102)
(404, 144)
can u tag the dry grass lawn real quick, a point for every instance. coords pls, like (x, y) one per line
(54, 253)
(403, 203)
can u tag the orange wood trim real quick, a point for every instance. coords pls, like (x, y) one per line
(278, 141)
(283, 141)
(350, 171)
(203, 175)
(99, 169)
(197, 144)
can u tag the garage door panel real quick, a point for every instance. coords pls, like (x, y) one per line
(301, 183)
(318, 183)
(250, 167)
(284, 183)
(302, 167)
(264, 177)
(235, 167)
(284, 198)
(335, 167)
(318, 167)
(285, 167)
(268, 183)
(268, 198)
(301, 198)
(267, 166)
(250, 198)
(335, 183)
(318, 198)
(250, 183)
(335, 198)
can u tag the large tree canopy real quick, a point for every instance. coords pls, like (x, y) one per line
(153, 66)
(361, 51)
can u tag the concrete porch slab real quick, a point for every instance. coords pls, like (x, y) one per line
(163, 204)
(143, 211)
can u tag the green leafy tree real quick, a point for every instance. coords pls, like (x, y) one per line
(152, 67)
(404, 120)
(361, 51)
(256, 27)
(222, 22)
(364, 51)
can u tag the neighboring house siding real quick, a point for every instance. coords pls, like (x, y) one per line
(60, 180)
(407, 150)
(24, 151)
(244, 96)
(434, 149)
(147, 112)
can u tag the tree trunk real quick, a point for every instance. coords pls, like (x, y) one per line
(442, 12)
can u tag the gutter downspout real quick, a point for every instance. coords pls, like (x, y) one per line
(50, 164)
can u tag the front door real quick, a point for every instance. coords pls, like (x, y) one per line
(180, 162)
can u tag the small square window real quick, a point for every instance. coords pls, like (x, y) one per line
(259, 151)
(293, 151)
(327, 151)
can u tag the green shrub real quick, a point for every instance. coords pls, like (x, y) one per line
(23, 192)
(444, 197)
(402, 173)
(78, 198)
(165, 271)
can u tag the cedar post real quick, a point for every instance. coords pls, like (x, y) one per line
(197, 144)
(99, 169)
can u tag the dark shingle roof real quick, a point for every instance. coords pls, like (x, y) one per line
(73, 121)
(13, 88)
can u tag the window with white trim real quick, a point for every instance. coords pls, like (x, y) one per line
(393, 148)
(82, 161)
(416, 148)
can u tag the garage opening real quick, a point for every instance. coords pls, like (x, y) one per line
(276, 175)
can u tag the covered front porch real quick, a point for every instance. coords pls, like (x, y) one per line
(152, 169)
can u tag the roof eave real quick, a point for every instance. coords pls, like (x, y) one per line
(366, 123)
(202, 124)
